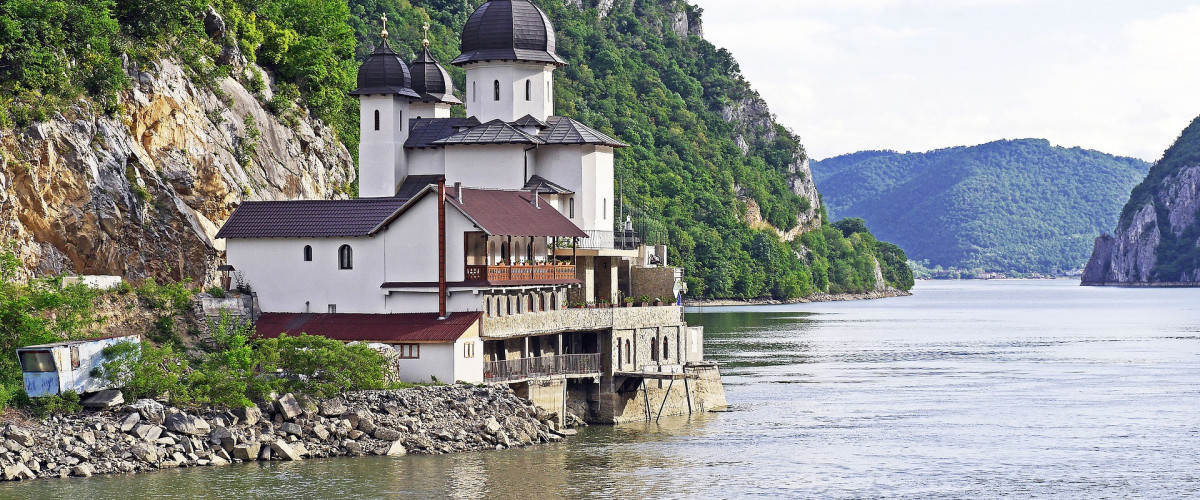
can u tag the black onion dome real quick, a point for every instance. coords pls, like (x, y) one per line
(431, 80)
(508, 30)
(384, 73)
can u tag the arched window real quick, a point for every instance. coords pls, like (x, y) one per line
(619, 358)
(377, 119)
(547, 91)
(504, 252)
(571, 207)
(528, 90)
(653, 350)
(474, 92)
(345, 257)
(665, 355)
(307, 253)
(401, 116)
(496, 90)
(628, 352)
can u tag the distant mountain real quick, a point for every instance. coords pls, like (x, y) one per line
(1020, 206)
(1157, 240)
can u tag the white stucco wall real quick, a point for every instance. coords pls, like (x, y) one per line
(381, 164)
(425, 301)
(412, 244)
(512, 76)
(436, 360)
(588, 171)
(426, 161)
(276, 270)
(494, 166)
(429, 110)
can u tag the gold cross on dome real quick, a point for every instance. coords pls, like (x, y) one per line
(384, 33)
(425, 42)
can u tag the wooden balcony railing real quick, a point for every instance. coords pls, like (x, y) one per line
(542, 366)
(519, 273)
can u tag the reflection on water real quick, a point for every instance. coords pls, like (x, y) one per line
(976, 389)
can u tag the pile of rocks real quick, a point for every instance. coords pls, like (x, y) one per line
(147, 435)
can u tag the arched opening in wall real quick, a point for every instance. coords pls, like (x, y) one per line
(307, 253)
(547, 91)
(474, 93)
(504, 252)
(377, 119)
(528, 303)
(516, 251)
(653, 350)
(620, 360)
(554, 301)
(487, 306)
(401, 124)
(528, 90)
(496, 90)
(665, 356)
(628, 352)
(571, 207)
(345, 257)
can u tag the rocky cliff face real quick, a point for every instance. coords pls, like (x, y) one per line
(1158, 238)
(142, 194)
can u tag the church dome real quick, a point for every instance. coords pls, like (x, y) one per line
(431, 80)
(508, 30)
(384, 73)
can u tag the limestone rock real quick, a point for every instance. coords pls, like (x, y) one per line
(187, 424)
(104, 399)
(249, 415)
(130, 421)
(397, 449)
(282, 449)
(385, 434)
(82, 470)
(288, 406)
(246, 451)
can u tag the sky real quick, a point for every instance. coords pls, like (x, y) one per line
(1122, 77)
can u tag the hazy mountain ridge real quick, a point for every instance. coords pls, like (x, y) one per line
(1013, 206)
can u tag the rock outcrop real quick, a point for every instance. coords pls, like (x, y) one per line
(1157, 241)
(147, 436)
(142, 193)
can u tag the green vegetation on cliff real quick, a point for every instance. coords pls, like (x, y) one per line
(701, 141)
(1017, 207)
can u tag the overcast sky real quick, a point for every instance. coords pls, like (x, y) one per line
(1122, 77)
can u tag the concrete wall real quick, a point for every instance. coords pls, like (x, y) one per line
(95, 281)
(621, 318)
(276, 270)
(495, 166)
(479, 96)
(704, 393)
(586, 170)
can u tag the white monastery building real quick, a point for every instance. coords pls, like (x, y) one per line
(472, 236)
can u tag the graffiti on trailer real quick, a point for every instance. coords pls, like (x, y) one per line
(41, 384)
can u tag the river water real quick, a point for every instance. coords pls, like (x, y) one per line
(963, 390)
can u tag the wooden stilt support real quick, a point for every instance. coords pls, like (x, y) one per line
(664, 403)
(646, 399)
(687, 392)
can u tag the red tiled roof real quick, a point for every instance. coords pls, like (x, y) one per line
(386, 328)
(510, 213)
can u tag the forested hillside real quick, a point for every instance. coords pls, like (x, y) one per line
(1013, 207)
(709, 171)
(1156, 237)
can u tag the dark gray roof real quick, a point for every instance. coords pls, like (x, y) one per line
(544, 186)
(384, 73)
(320, 218)
(563, 130)
(508, 30)
(422, 132)
(308, 218)
(431, 80)
(493, 132)
(529, 121)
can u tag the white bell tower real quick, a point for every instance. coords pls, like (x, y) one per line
(385, 97)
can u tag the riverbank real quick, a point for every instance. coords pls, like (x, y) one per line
(820, 297)
(147, 435)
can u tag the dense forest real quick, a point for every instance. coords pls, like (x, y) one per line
(1014, 207)
(686, 177)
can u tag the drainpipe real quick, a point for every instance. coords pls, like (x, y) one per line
(442, 248)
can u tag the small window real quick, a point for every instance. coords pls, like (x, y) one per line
(332, 309)
(620, 359)
(37, 361)
(409, 351)
(628, 352)
(307, 253)
(469, 350)
(665, 355)
(74, 357)
(653, 350)
(571, 208)
(604, 209)
(345, 257)
(528, 90)
(547, 91)
(401, 116)
(496, 90)
(474, 93)
(377, 119)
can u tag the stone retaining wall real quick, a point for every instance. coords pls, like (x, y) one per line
(147, 436)
(542, 323)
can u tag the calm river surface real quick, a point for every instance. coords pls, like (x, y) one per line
(964, 390)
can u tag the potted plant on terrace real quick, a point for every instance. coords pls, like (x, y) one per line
(628, 301)
(644, 299)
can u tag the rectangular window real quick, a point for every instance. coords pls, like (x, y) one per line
(377, 119)
(37, 361)
(469, 350)
(604, 210)
(332, 308)
(571, 207)
(409, 351)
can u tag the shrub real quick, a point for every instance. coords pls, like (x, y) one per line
(216, 291)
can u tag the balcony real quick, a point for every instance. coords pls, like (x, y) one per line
(568, 365)
(610, 240)
(522, 274)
